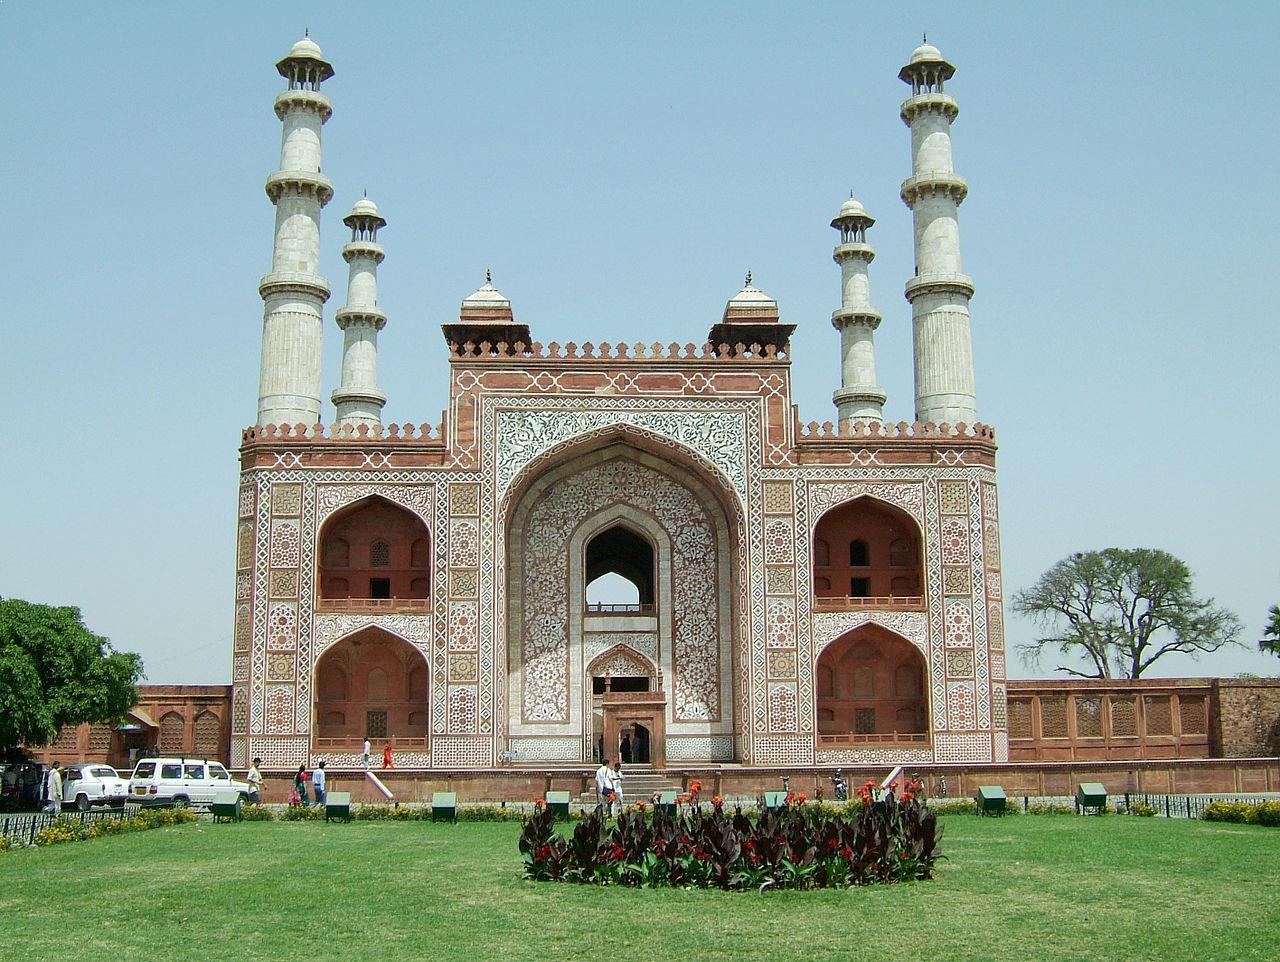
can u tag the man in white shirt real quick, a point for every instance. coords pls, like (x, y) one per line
(53, 789)
(602, 782)
(254, 778)
(615, 786)
(317, 783)
(366, 754)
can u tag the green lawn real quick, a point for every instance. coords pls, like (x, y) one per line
(1024, 888)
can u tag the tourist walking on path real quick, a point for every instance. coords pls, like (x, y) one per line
(53, 789)
(603, 777)
(366, 755)
(299, 787)
(317, 781)
(386, 756)
(254, 778)
(615, 786)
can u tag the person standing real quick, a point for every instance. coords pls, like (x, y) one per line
(624, 747)
(603, 777)
(300, 785)
(386, 756)
(366, 755)
(53, 789)
(254, 778)
(615, 786)
(317, 782)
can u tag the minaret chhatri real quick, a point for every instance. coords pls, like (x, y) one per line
(860, 397)
(940, 291)
(294, 292)
(358, 400)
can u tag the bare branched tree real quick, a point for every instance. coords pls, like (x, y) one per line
(1120, 610)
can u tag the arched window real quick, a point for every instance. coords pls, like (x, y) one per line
(208, 732)
(379, 554)
(858, 554)
(620, 571)
(821, 553)
(172, 728)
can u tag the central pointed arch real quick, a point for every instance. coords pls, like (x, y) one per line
(693, 634)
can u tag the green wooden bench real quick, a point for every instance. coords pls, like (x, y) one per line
(337, 805)
(227, 805)
(444, 806)
(666, 803)
(775, 799)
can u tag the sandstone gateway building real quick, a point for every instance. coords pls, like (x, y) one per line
(803, 595)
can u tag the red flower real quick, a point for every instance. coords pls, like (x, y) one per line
(846, 852)
(543, 853)
(717, 801)
(640, 806)
(801, 798)
(539, 802)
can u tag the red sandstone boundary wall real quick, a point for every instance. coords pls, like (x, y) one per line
(1158, 777)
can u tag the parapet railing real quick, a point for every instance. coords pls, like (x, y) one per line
(344, 432)
(588, 351)
(886, 601)
(592, 608)
(373, 604)
(877, 738)
(813, 431)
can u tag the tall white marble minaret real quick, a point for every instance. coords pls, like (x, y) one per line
(940, 291)
(859, 397)
(294, 292)
(358, 400)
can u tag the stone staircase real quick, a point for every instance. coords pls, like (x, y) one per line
(638, 785)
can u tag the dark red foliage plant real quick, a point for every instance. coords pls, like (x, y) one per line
(879, 839)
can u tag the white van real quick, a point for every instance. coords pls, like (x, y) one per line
(181, 782)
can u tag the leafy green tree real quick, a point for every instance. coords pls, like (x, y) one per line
(55, 672)
(1270, 640)
(1120, 610)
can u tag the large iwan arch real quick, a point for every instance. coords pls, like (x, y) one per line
(592, 513)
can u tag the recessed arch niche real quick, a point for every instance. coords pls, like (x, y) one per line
(371, 684)
(868, 548)
(374, 551)
(871, 686)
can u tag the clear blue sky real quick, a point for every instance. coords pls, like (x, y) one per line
(620, 168)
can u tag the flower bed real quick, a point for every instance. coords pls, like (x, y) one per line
(1248, 813)
(798, 846)
(71, 829)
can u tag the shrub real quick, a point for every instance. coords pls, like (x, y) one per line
(1227, 812)
(957, 806)
(1267, 813)
(1052, 808)
(68, 828)
(1251, 813)
(302, 813)
(799, 846)
(1142, 810)
(257, 813)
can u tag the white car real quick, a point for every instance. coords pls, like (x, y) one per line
(181, 782)
(92, 783)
